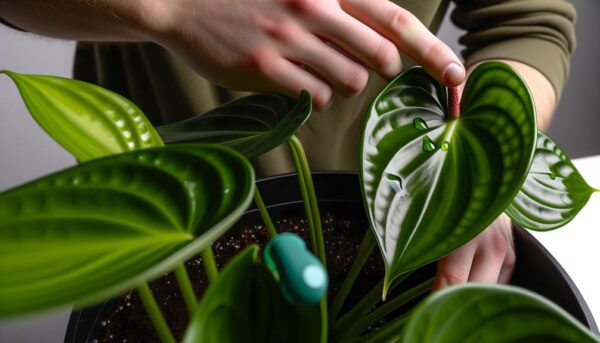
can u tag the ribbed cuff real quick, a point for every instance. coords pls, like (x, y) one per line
(540, 54)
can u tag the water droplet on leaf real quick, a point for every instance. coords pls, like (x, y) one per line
(420, 124)
(429, 145)
(445, 146)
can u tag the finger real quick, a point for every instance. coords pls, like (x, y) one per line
(286, 77)
(490, 256)
(507, 268)
(511, 256)
(345, 75)
(454, 268)
(363, 43)
(410, 36)
(486, 267)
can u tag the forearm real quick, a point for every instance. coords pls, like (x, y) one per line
(87, 20)
(544, 96)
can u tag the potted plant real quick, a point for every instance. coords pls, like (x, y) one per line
(136, 209)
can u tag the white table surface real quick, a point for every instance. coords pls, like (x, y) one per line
(576, 245)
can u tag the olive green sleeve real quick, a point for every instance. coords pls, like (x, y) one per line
(539, 33)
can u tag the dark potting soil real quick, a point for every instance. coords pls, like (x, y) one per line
(127, 320)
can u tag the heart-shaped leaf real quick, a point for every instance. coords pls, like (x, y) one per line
(90, 232)
(553, 193)
(87, 120)
(251, 125)
(491, 314)
(430, 182)
(246, 305)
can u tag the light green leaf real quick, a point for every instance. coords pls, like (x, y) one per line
(246, 305)
(491, 314)
(431, 183)
(90, 232)
(553, 193)
(251, 125)
(87, 120)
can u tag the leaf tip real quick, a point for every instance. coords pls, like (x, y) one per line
(7, 72)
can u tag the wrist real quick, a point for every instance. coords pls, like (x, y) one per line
(155, 19)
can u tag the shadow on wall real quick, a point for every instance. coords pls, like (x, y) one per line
(576, 125)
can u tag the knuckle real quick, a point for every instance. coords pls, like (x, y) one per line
(261, 59)
(434, 50)
(400, 19)
(385, 54)
(454, 277)
(499, 245)
(284, 32)
(304, 6)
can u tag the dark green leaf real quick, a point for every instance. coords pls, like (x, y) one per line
(90, 232)
(491, 314)
(251, 125)
(246, 305)
(553, 193)
(87, 120)
(431, 183)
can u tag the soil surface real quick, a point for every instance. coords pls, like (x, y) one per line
(127, 321)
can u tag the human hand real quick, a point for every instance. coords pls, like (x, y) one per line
(489, 258)
(323, 46)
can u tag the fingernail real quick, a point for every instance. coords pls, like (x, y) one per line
(453, 74)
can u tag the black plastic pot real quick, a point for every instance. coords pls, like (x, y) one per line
(339, 192)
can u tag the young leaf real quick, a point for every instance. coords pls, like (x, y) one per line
(87, 120)
(90, 232)
(553, 193)
(431, 183)
(246, 305)
(491, 314)
(251, 125)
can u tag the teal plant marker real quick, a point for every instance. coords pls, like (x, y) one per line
(302, 277)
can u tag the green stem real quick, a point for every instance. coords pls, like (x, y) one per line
(208, 259)
(364, 251)
(311, 207)
(264, 214)
(392, 305)
(363, 307)
(302, 162)
(159, 322)
(304, 194)
(185, 286)
(324, 323)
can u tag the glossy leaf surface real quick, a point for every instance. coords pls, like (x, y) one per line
(90, 232)
(87, 120)
(246, 305)
(491, 314)
(431, 183)
(251, 125)
(553, 193)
